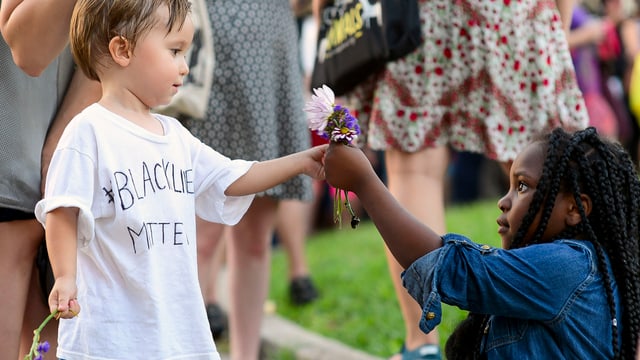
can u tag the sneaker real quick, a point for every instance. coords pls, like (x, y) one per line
(424, 352)
(302, 291)
(218, 321)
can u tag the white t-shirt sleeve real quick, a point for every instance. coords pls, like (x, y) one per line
(211, 202)
(70, 184)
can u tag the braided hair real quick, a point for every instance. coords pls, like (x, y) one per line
(584, 163)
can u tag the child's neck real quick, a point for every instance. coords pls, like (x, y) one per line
(137, 112)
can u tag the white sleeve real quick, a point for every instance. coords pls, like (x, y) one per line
(70, 183)
(211, 202)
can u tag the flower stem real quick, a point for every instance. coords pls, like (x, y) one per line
(36, 336)
(354, 219)
(337, 208)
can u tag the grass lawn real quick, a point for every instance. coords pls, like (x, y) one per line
(357, 304)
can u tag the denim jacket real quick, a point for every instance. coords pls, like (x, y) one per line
(547, 301)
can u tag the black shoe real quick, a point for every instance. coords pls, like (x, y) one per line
(218, 321)
(302, 291)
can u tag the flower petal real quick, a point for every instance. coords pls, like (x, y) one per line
(328, 119)
(326, 94)
(319, 108)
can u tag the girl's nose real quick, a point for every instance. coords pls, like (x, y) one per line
(503, 203)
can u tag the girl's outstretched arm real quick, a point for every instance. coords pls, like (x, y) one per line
(267, 174)
(406, 237)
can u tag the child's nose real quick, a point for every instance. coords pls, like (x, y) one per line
(184, 67)
(503, 203)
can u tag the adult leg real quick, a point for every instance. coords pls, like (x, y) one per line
(293, 223)
(19, 242)
(208, 238)
(211, 292)
(249, 262)
(37, 311)
(210, 245)
(417, 182)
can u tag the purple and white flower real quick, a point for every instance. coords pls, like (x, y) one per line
(331, 121)
(319, 108)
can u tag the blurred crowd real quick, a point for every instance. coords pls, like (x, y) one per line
(604, 42)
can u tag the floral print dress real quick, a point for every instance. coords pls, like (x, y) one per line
(489, 76)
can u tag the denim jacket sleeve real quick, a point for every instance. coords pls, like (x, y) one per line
(537, 282)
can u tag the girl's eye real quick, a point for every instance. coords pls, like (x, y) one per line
(175, 51)
(522, 186)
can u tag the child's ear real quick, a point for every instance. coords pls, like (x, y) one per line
(120, 50)
(573, 215)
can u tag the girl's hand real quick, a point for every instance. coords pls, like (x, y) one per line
(347, 167)
(63, 298)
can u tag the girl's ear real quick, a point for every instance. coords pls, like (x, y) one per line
(120, 50)
(573, 215)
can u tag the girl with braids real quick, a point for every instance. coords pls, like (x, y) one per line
(566, 284)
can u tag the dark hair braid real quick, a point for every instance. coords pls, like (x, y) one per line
(583, 163)
(604, 171)
(584, 227)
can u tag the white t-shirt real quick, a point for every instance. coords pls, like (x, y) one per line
(138, 195)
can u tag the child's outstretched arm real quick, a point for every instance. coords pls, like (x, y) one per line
(61, 235)
(406, 237)
(267, 174)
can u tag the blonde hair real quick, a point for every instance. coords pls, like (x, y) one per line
(95, 22)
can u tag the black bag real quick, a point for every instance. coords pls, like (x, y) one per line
(357, 38)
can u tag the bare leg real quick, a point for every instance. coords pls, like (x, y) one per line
(417, 182)
(211, 294)
(18, 245)
(293, 224)
(249, 261)
(209, 239)
(37, 311)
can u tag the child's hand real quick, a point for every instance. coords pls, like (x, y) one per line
(316, 167)
(63, 298)
(347, 167)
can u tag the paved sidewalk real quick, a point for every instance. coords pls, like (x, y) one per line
(282, 335)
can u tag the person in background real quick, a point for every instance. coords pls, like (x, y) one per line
(116, 247)
(616, 52)
(586, 33)
(212, 261)
(487, 77)
(292, 239)
(255, 113)
(39, 94)
(564, 285)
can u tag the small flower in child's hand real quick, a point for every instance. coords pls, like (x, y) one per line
(333, 122)
(43, 347)
(346, 128)
(37, 350)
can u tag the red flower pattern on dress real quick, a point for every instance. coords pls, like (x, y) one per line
(489, 75)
